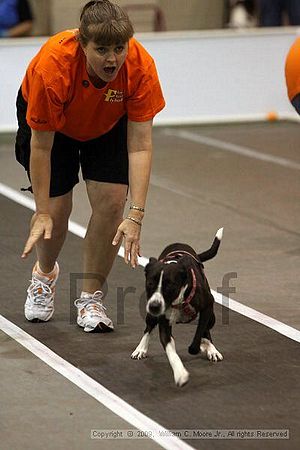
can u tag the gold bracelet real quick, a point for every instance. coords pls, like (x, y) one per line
(138, 222)
(137, 208)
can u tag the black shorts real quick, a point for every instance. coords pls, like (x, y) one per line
(103, 159)
(296, 103)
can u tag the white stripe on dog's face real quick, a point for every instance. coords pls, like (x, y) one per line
(160, 281)
(156, 303)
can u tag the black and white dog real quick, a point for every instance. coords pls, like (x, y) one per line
(177, 290)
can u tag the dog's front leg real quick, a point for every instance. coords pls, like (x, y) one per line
(181, 375)
(142, 349)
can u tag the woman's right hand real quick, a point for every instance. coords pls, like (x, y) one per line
(41, 227)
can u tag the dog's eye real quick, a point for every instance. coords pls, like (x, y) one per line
(150, 286)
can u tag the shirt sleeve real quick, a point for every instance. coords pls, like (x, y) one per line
(24, 11)
(292, 70)
(45, 111)
(147, 100)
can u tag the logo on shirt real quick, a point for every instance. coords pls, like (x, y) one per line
(113, 95)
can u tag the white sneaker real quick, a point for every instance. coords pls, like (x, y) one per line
(39, 305)
(91, 313)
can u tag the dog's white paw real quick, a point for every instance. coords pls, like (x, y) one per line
(139, 353)
(210, 351)
(181, 377)
(214, 355)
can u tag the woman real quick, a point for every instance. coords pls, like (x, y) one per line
(87, 100)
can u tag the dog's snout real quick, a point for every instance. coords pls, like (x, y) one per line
(155, 307)
(156, 304)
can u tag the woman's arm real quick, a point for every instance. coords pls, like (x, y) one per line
(140, 158)
(40, 173)
(139, 141)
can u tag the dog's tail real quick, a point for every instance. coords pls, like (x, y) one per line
(209, 254)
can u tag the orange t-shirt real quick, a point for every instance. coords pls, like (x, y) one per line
(292, 70)
(61, 98)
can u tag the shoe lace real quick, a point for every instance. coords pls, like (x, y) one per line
(39, 291)
(91, 303)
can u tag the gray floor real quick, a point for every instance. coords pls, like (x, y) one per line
(195, 189)
(41, 409)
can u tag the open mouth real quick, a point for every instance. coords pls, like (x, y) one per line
(109, 70)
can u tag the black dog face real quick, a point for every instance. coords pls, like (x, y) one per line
(164, 284)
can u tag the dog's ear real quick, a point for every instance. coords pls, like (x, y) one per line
(184, 265)
(185, 261)
(150, 264)
(152, 260)
(182, 273)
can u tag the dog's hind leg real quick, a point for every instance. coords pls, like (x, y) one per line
(181, 375)
(207, 347)
(142, 349)
(202, 327)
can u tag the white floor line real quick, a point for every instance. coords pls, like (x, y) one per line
(274, 324)
(241, 150)
(17, 197)
(95, 389)
(92, 387)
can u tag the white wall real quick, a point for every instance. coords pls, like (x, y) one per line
(216, 76)
(179, 14)
(206, 76)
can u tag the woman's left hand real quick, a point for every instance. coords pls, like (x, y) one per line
(131, 233)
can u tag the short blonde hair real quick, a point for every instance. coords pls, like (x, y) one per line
(104, 23)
